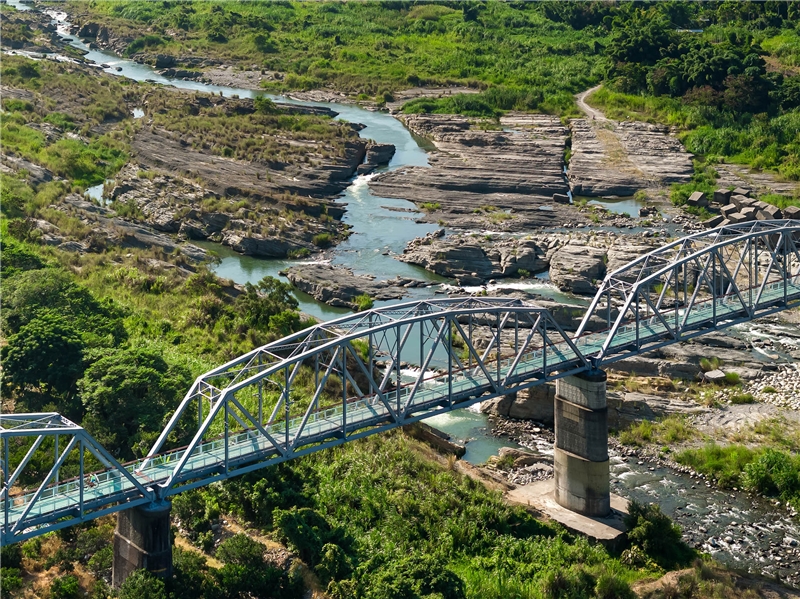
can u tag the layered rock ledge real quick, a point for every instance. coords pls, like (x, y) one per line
(576, 262)
(620, 158)
(498, 178)
(340, 287)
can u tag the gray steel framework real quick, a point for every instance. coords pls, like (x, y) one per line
(376, 370)
(708, 280)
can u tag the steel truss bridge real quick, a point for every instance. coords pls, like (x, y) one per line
(377, 370)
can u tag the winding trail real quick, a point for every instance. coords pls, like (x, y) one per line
(580, 100)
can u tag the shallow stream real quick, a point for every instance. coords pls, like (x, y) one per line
(755, 536)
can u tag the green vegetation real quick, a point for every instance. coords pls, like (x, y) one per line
(709, 364)
(430, 206)
(673, 429)
(376, 48)
(253, 132)
(724, 464)
(347, 513)
(742, 398)
(653, 534)
(364, 302)
(322, 240)
(732, 87)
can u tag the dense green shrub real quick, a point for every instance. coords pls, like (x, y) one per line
(772, 473)
(655, 533)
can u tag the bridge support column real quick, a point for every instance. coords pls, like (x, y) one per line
(581, 447)
(142, 541)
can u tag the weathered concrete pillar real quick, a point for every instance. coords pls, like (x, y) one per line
(581, 448)
(142, 541)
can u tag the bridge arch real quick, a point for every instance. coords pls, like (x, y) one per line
(709, 280)
(376, 370)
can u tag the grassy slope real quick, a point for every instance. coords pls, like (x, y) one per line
(375, 47)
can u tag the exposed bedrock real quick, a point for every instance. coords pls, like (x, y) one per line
(497, 179)
(107, 229)
(338, 286)
(620, 158)
(377, 155)
(227, 176)
(255, 227)
(576, 262)
(471, 260)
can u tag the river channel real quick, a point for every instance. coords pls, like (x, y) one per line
(752, 535)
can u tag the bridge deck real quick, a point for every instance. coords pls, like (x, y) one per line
(438, 393)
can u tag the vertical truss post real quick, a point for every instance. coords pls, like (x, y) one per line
(785, 269)
(685, 286)
(316, 382)
(636, 311)
(675, 296)
(469, 330)
(371, 358)
(608, 307)
(227, 435)
(449, 361)
(286, 408)
(55, 457)
(80, 477)
(497, 350)
(421, 343)
(714, 288)
(543, 331)
(260, 394)
(344, 394)
(397, 368)
(749, 251)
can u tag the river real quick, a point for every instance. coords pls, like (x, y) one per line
(737, 530)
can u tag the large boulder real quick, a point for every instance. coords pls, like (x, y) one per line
(498, 406)
(722, 196)
(380, 153)
(535, 403)
(578, 268)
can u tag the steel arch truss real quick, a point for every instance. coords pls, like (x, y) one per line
(708, 280)
(357, 376)
(33, 444)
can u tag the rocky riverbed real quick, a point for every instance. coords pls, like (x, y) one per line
(338, 286)
(757, 535)
(620, 158)
(575, 261)
(482, 176)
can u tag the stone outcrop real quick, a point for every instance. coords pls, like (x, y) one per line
(535, 403)
(338, 286)
(229, 177)
(620, 158)
(743, 208)
(500, 180)
(682, 361)
(627, 408)
(176, 205)
(471, 261)
(109, 229)
(575, 261)
(577, 268)
(377, 155)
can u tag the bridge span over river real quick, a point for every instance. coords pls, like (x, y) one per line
(383, 368)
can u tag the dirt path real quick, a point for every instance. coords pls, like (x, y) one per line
(580, 100)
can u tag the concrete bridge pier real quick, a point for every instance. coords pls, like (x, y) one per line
(581, 447)
(142, 541)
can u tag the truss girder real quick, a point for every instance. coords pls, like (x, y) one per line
(55, 503)
(707, 280)
(369, 372)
